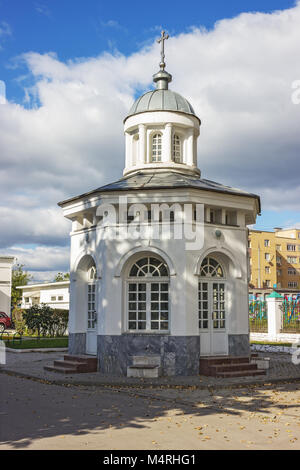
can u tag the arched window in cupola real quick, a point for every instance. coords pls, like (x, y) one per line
(156, 148)
(176, 150)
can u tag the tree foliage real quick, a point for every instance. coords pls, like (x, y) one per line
(19, 278)
(46, 321)
(61, 277)
(18, 320)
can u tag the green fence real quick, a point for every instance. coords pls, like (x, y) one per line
(258, 317)
(291, 315)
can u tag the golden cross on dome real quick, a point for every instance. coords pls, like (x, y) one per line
(162, 40)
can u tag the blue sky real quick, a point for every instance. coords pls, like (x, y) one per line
(76, 28)
(55, 53)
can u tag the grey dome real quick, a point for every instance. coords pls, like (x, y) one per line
(161, 100)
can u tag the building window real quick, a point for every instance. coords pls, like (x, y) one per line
(92, 274)
(293, 284)
(267, 256)
(211, 296)
(278, 272)
(268, 283)
(156, 148)
(26, 300)
(267, 242)
(267, 270)
(278, 247)
(148, 295)
(53, 298)
(211, 268)
(278, 260)
(292, 259)
(60, 297)
(291, 247)
(92, 314)
(177, 149)
(231, 218)
(249, 243)
(292, 272)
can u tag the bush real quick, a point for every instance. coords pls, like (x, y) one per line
(18, 320)
(46, 321)
(61, 318)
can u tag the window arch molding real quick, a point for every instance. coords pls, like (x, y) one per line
(84, 261)
(149, 266)
(135, 253)
(230, 264)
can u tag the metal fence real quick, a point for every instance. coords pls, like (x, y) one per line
(258, 317)
(290, 315)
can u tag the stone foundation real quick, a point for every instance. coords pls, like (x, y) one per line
(238, 345)
(179, 354)
(77, 343)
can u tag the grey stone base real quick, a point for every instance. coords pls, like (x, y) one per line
(238, 345)
(179, 354)
(77, 343)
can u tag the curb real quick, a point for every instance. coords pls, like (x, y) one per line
(41, 350)
(152, 385)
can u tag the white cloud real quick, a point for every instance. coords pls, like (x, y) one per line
(42, 9)
(53, 258)
(5, 29)
(238, 78)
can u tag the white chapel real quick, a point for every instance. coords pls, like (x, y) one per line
(139, 286)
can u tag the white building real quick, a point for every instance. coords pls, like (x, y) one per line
(6, 263)
(157, 296)
(53, 294)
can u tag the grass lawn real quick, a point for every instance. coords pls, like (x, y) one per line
(39, 343)
(266, 343)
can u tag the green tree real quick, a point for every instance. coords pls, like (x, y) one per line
(61, 277)
(19, 278)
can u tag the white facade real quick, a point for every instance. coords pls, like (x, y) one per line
(169, 127)
(6, 263)
(155, 295)
(53, 294)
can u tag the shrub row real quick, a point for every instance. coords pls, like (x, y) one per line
(41, 320)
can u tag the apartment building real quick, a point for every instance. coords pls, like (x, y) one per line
(274, 258)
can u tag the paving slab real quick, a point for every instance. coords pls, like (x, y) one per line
(32, 365)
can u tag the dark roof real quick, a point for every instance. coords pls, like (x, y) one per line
(165, 100)
(163, 180)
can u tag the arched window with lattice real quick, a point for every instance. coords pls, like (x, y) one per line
(156, 151)
(176, 149)
(148, 295)
(211, 268)
(211, 296)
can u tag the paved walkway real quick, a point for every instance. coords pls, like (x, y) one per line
(38, 415)
(32, 365)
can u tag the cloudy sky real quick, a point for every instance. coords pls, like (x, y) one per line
(71, 73)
